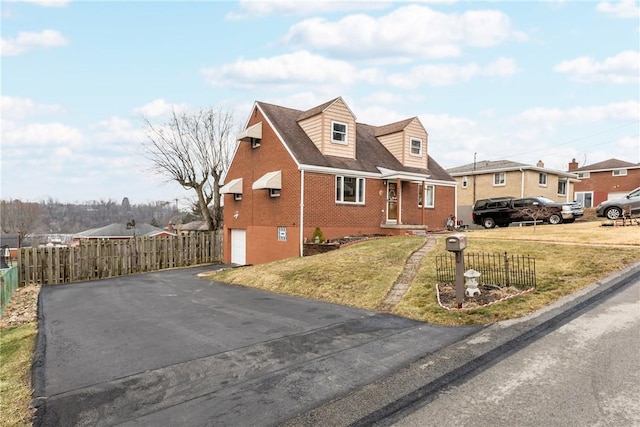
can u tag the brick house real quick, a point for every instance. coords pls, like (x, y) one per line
(294, 170)
(604, 180)
(505, 178)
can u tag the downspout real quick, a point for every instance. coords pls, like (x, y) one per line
(302, 212)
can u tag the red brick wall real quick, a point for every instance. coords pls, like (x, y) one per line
(261, 215)
(603, 183)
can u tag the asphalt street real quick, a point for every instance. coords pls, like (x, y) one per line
(584, 373)
(169, 348)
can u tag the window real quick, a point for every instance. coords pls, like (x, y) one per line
(416, 147)
(585, 198)
(274, 192)
(429, 195)
(584, 175)
(282, 234)
(619, 172)
(562, 188)
(542, 179)
(349, 189)
(237, 196)
(499, 178)
(465, 182)
(339, 132)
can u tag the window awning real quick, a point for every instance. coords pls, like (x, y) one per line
(403, 176)
(269, 180)
(232, 187)
(251, 133)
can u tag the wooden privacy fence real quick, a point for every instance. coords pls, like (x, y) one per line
(496, 269)
(99, 259)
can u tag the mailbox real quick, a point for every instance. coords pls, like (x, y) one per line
(456, 242)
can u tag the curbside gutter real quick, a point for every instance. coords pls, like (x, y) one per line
(390, 399)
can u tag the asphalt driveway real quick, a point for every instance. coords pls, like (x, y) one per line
(169, 348)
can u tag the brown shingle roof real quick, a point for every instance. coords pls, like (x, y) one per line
(393, 127)
(370, 153)
(607, 165)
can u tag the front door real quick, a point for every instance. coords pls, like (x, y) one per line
(392, 202)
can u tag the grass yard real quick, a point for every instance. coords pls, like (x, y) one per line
(569, 257)
(16, 350)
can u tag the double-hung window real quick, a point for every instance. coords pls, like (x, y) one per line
(426, 195)
(619, 172)
(499, 178)
(339, 132)
(562, 188)
(542, 179)
(416, 147)
(349, 189)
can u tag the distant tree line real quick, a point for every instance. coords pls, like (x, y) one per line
(51, 216)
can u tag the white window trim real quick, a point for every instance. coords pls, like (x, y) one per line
(237, 196)
(566, 186)
(274, 192)
(499, 184)
(359, 182)
(619, 172)
(346, 132)
(540, 178)
(423, 192)
(411, 140)
(584, 175)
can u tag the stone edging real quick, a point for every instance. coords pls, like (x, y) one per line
(525, 292)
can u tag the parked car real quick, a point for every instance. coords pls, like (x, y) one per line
(506, 210)
(613, 209)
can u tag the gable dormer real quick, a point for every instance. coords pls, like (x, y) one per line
(407, 141)
(332, 128)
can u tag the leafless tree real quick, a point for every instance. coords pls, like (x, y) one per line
(538, 213)
(17, 216)
(194, 149)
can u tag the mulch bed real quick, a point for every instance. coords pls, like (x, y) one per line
(488, 295)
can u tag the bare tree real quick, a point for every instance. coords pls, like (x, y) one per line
(194, 149)
(17, 216)
(538, 213)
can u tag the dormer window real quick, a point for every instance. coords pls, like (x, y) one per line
(416, 147)
(339, 132)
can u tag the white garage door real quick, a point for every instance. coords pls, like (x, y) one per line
(239, 247)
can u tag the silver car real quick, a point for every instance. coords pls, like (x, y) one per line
(613, 208)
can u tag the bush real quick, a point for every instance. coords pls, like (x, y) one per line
(318, 236)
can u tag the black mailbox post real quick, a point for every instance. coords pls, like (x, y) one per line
(457, 243)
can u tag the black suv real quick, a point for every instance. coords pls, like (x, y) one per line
(505, 210)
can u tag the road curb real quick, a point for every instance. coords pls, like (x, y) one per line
(390, 399)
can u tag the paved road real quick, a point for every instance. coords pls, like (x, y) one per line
(169, 348)
(583, 374)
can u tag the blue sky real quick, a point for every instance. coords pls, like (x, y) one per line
(523, 81)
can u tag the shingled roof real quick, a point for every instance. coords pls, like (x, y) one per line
(370, 153)
(120, 230)
(607, 165)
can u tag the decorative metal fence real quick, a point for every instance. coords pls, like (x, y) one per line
(110, 258)
(496, 269)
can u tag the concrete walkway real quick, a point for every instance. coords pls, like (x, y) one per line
(403, 282)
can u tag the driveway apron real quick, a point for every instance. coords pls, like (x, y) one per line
(169, 348)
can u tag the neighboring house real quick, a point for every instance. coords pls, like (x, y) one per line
(119, 231)
(605, 180)
(11, 241)
(294, 170)
(192, 227)
(504, 178)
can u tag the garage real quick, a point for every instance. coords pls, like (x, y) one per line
(238, 246)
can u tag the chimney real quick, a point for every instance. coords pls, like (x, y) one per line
(573, 165)
(540, 164)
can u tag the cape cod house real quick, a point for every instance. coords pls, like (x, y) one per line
(293, 171)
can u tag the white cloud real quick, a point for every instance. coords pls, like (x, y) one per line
(622, 68)
(282, 71)
(28, 40)
(19, 108)
(260, 8)
(621, 9)
(629, 110)
(448, 74)
(41, 134)
(159, 108)
(409, 31)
